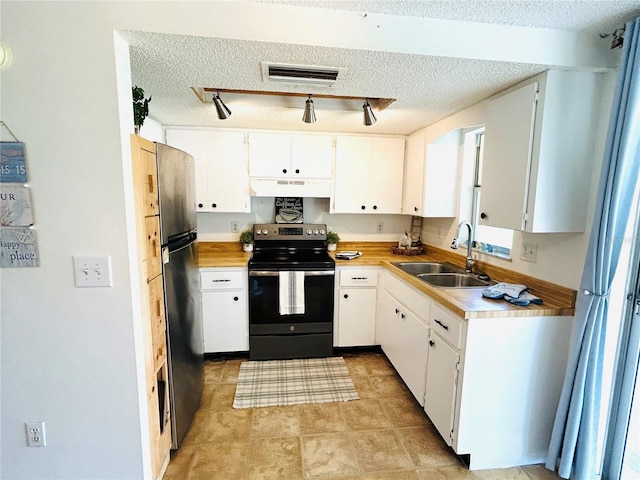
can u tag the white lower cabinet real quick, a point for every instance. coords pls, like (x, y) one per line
(355, 312)
(441, 385)
(404, 333)
(225, 309)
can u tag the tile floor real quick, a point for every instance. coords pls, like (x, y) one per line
(383, 436)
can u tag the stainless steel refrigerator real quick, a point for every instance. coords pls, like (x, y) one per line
(176, 188)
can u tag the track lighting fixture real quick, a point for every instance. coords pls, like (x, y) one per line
(369, 117)
(221, 108)
(309, 115)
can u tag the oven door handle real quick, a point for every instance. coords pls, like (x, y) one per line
(276, 273)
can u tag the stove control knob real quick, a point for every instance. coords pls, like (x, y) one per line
(315, 232)
(321, 232)
(258, 232)
(265, 231)
(309, 232)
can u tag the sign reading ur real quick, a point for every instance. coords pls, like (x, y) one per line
(15, 206)
(13, 167)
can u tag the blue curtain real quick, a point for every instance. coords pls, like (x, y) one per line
(573, 446)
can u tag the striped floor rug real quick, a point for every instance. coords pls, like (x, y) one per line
(290, 382)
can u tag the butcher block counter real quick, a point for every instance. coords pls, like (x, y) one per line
(466, 302)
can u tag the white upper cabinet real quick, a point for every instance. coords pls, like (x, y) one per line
(282, 155)
(538, 153)
(430, 178)
(222, 183)
(368, 176)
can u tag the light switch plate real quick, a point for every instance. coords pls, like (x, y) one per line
(93, 271)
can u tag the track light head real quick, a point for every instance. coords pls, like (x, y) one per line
(309, 115)
(221, 108)
(369, 117)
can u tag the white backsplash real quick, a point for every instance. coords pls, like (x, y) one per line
(216, 227)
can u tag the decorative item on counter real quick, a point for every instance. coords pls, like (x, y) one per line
(348, 255)
(140, 107)
(246, 239)
(332, 241)
(515, 294)
(407, 246)
(289, 210)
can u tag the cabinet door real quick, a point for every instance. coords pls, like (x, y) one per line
(507, 158)
(442, 375)
(225, 321)
(269, 155)
(441, 181)
(412, 361)
(353, 156)
(356, 317)
(222, 182)
(385, 175)
(311, 156)
(414, 174)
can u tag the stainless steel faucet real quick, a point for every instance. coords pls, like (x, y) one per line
(470, 261)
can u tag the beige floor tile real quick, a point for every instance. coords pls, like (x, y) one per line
(223, 460)
(275, 422)
(457, 472)
(395, 475)
(180, 463)
(540, 472)
(213, 371)
(500, 474)
(364, 414)
(363, 387)
(321, 418)
(378, 450)
(328, 455)
(388, 386)
(222, 398)
(404, 412)
(426, 447)
(275, 459)
(231, 371)
(219, 426)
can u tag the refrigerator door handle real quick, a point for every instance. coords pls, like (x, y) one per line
(165, 255)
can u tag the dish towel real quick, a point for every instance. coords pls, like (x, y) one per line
(291, 293)
(512, 293)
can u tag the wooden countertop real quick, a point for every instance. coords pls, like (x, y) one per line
(466, 302)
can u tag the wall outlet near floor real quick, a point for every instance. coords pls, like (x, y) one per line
(380, 227)
(35, 434)
(234, 227)
(529, 252)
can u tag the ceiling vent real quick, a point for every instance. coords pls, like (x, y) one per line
(300, 74)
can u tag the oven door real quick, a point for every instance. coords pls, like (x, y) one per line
(264, 307)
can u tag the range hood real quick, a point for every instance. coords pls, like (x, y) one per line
(273, 187)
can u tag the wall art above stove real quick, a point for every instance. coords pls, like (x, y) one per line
(289, 210)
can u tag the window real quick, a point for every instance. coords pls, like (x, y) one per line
(490, 240)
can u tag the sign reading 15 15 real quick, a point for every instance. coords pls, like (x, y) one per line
(13, 167)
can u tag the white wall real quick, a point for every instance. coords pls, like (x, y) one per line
(216, 227)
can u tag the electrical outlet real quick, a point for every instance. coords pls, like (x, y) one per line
(35, 434)
(234, 227)
(529, 252)
(92, 271)
(380, 227)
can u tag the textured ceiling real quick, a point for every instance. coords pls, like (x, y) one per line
(427, 88)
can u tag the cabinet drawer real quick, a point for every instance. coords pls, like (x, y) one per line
(447, 325)
(415, 301)
(223, 280)
(353, 278)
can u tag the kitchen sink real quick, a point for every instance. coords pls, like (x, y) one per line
(418, 268)
(454, 280)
